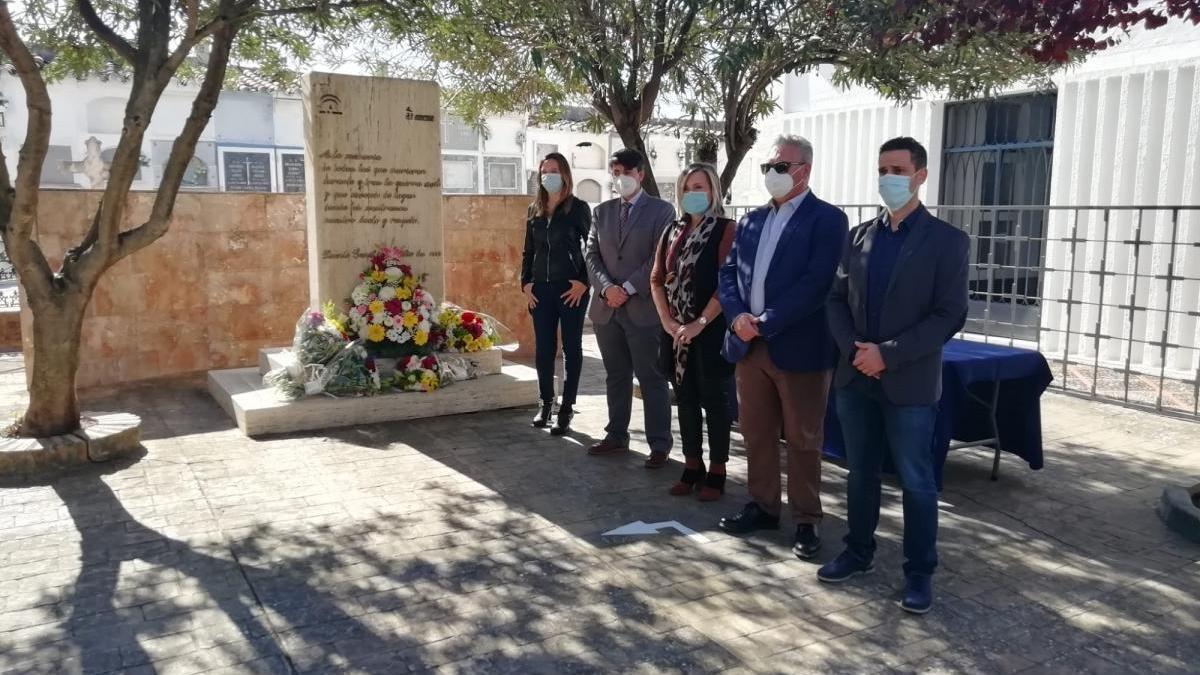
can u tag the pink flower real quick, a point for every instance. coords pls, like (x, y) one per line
(363, 310)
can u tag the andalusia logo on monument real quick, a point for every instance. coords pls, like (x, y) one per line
(330, 104)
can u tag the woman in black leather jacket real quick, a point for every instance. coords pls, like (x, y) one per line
(555, 282)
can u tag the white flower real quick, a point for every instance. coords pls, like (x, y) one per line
(393, 335)
(404, 337)
(378, 318)
(393, 272)
(359, 295)
(362, 332)
(388, 321)
(387, 293)
(423, 326)
(406, 305)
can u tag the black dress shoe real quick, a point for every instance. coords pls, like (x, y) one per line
(751, 518)
(808, 542)
(565, 414)
(543, 417)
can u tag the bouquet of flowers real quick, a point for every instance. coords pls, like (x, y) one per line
(347, 373)
(317, 339)
(418, 373)
(317, 342)
(390, 311)
(465, 331)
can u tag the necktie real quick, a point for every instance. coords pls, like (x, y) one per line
(624, 222)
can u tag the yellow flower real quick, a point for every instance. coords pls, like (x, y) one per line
(375, 332)
(429, 381)
(485, 343)
(376, 307)
(403, 293)
(410, 282)
(411, 319)
(378, 275)
(421, 338)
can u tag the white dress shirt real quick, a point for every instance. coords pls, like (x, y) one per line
(777, 219)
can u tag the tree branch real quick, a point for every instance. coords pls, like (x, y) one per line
(32, 268)
(105, 32)
(184, 147)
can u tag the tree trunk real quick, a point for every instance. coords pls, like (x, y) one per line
(735, 152)
(631, 136)
(57, 328)
(738, 142)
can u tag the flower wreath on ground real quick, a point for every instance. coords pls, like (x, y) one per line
(466, 331)
(390, 311)
(388, 338)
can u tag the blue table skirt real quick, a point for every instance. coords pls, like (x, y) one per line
(973, 368)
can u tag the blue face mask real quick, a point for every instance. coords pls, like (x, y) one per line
(553, 182)
(894, 190)
(695, 203)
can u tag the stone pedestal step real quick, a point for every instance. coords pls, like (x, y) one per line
(487, 362)
(258, 410)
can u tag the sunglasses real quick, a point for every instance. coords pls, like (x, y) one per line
(780, 167)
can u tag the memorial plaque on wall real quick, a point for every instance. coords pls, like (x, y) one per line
(373, 176)
(293, 171)
(247, 171)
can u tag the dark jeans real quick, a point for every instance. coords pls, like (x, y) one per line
(551, 312)
(873, 427)
(703, 400)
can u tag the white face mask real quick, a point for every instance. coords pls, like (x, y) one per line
(627, 186)
(778, 184)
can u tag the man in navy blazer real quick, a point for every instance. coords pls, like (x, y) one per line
(773, 289)
(900, 294)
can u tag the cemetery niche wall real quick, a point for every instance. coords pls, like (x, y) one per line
(376, 324)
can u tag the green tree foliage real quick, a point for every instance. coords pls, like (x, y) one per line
(722, 56)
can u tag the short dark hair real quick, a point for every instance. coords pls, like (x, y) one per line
(916, 151)
(627, 157)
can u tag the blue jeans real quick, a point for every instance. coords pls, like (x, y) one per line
(551, 314)
(872, 428)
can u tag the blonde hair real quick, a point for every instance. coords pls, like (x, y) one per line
(717, 204)
(568, 188)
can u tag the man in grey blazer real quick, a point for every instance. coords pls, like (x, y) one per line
(900, 293)
(620, 253)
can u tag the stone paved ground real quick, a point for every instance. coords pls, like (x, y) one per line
(473, 544)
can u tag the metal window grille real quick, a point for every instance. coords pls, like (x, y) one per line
(1112, 299)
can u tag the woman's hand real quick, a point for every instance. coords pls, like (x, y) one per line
(575, 293)
(686, 333)
(527, 289)
(671, 326)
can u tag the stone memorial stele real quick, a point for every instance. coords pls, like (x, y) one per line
(372, 177)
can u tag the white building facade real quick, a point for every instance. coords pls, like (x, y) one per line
(1110, 287)
(255, 143)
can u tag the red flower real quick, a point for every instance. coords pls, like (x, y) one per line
(429, 363)
(469, 317)
(394, 307)
(406, 270)
(476, 330)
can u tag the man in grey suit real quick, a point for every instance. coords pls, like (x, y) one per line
(900, 293)
(620, 253)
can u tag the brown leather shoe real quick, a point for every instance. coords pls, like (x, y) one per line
(656, 460)
(606, 447)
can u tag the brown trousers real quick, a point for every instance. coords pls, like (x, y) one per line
(771, 400)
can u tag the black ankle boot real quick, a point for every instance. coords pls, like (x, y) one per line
(543, 418)
(565, 414)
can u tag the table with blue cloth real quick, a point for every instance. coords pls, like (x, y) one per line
(991, 396)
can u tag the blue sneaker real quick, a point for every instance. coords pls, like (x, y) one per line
(843, 567)
(918, 594)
